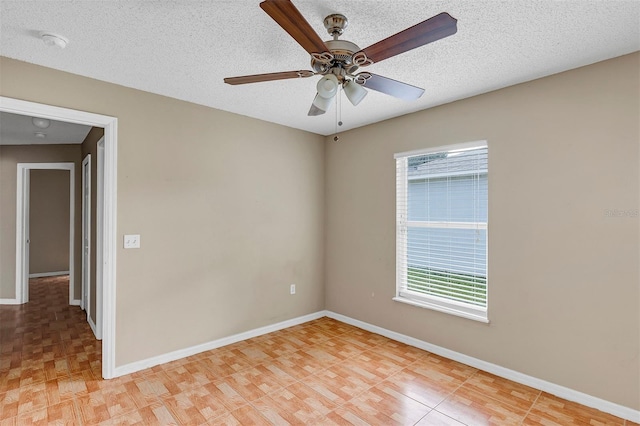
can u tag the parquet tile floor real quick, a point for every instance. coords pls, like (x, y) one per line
(322, 372)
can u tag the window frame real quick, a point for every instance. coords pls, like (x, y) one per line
(415, 298)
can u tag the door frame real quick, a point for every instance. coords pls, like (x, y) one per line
(86, 236)
(23, 191)
(109, 228)
(99, 234)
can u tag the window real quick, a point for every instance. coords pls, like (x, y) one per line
(441, 229)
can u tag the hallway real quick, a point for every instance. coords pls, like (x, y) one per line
(46, 345)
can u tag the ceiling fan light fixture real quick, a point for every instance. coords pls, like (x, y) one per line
(355, 93)
(322, 103)
(328, 86)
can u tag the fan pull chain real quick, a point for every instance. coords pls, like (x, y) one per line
(338, 113)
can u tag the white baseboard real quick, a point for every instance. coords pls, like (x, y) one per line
(183, 353)
(75, 302)
(10, 302)
(552, 388)
(48, 274)
(93, 326)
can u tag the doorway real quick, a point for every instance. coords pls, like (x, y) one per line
(107, 215)
(23, 239)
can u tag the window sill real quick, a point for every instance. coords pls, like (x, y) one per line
(480, 317)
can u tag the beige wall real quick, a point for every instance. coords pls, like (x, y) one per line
(49, 221)
(10, 156)
(229, 209)
(563, 277)
(232, 210)
(90, 146)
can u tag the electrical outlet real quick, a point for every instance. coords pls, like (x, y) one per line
(131, 241)
(292, 289)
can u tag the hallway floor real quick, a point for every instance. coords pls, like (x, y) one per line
(322, 372)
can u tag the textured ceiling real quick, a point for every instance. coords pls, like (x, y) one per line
(183, 49)
(19, 130)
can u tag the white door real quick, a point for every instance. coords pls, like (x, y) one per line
(27, 239)
(86, 233)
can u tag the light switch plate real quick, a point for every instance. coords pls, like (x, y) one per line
(131, 241)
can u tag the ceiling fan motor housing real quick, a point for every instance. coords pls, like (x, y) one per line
(342, 51)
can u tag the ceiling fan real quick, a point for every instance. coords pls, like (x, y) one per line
(338, 60)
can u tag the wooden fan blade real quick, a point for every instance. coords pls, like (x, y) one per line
(392, 87)
(435, 28)
(292, 21)
(257, 78)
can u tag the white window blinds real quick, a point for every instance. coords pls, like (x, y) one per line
(442, 229)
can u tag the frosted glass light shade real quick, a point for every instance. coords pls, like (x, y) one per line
(355, 93)
(322, 103)
(328, 86)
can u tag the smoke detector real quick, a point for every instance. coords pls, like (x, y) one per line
(54, 40)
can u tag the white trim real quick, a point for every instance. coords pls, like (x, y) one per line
(448, 148)
(23, 188)
(110, 125)
(99, 235)
(75, 302)
(183, 353)
(443, 305)
(109, 245)
(552, 388)
(85, 279)
(48, 274)
(92, 325)
(10, 302)
(23, 184)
